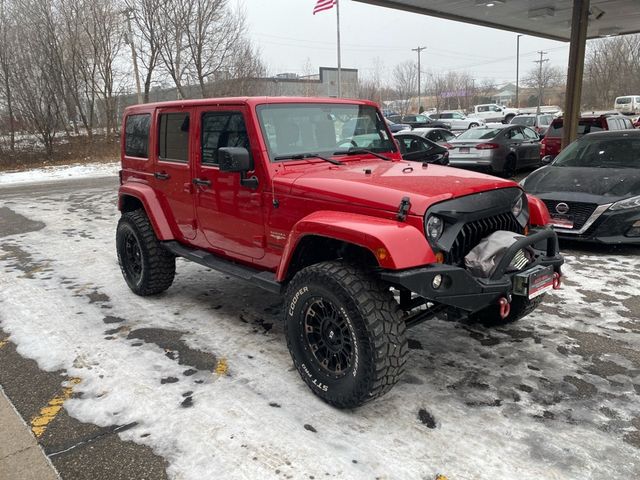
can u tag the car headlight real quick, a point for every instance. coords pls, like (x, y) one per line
(435, 227)
(516, 208)
(633, 202)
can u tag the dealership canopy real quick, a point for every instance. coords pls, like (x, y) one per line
(564, 20)
(539, 18)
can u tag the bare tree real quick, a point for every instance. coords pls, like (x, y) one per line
(611, 70)
(147, 37)
(405, 80)
(543, 78)
(8, 47)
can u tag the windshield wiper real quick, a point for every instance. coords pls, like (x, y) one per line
(359, 151)
(302, 156)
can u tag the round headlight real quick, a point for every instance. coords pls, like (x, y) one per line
(516, 209)
(435, 226)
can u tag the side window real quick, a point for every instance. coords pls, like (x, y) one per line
(530, 134)
(222, 129)
(435, 136)
(516, 134)
(613, 124)
(447, 136)
(413, 145)
(483, 109)
(173, 137)
(136, 134)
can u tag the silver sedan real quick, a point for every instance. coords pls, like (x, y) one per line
(502, 149)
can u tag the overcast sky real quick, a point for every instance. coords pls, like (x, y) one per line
(290, 37)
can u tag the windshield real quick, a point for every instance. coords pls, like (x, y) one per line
(527, 121)
(298, 129)
(618, 152)
(479, 134)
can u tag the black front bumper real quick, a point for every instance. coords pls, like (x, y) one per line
(462, 290)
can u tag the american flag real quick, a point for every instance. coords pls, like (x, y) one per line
(322, 5)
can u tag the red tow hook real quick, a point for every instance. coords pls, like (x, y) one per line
(505, 307)
(557, 281)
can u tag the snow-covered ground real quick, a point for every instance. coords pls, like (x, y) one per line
(528, 401)
(58, 172)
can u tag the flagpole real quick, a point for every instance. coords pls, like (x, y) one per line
(339, 59)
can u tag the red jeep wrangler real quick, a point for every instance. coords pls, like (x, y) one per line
(310, 198)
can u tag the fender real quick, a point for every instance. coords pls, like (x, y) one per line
(538, 213)
(396, 245)
(152, 207)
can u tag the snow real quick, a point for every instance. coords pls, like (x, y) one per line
(60, 172)
(488, 390)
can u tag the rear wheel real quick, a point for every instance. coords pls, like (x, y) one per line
(345, 333)
(508, 118)
(146, 266)
(473, 125)
(520, 307)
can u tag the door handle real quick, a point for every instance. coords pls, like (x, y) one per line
(201, 182)
(162, 175)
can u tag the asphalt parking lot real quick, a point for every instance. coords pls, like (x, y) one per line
(198, 383)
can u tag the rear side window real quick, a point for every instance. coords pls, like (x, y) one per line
(174, 136)
(136, 134)
(222, 129)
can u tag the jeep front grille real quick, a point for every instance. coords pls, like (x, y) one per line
(473, 232)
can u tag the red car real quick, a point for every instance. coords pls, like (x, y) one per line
(551, 143)
(309, 198)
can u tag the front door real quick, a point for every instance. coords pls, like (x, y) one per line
(230, 217)
(172, 171)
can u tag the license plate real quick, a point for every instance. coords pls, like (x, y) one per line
(464, 149)
(561, 221)
(539, 282)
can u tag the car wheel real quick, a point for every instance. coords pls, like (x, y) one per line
(473, 125)
(146, 266)
(508, 118)
(509, 169)
(520, 308)
(345, 333)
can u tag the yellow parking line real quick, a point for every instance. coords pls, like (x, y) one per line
(221, 367)
(40, 423)
(3, 343)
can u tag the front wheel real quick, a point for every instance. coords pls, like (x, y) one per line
(146, 266)
(473, 125)
(520, 307)
(345, 333)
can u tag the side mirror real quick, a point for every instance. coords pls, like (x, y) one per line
(237, 159)
(546, 160)
(234, 159)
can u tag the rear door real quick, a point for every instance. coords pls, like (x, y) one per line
(172, 172)
(532, 144)
(230, 216)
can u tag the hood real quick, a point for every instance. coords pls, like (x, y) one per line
(386, 184)
(610, 184)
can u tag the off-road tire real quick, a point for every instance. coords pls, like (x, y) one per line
(157, 265)
(369, 314)
(520, 308)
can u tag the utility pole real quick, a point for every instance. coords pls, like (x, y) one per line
(518, 70)
(541, 62)
(134, 57)
(419, 50)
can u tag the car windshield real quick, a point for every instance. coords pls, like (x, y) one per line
(527, 121)
(308, 128)
(479, 134)
(617, 152)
